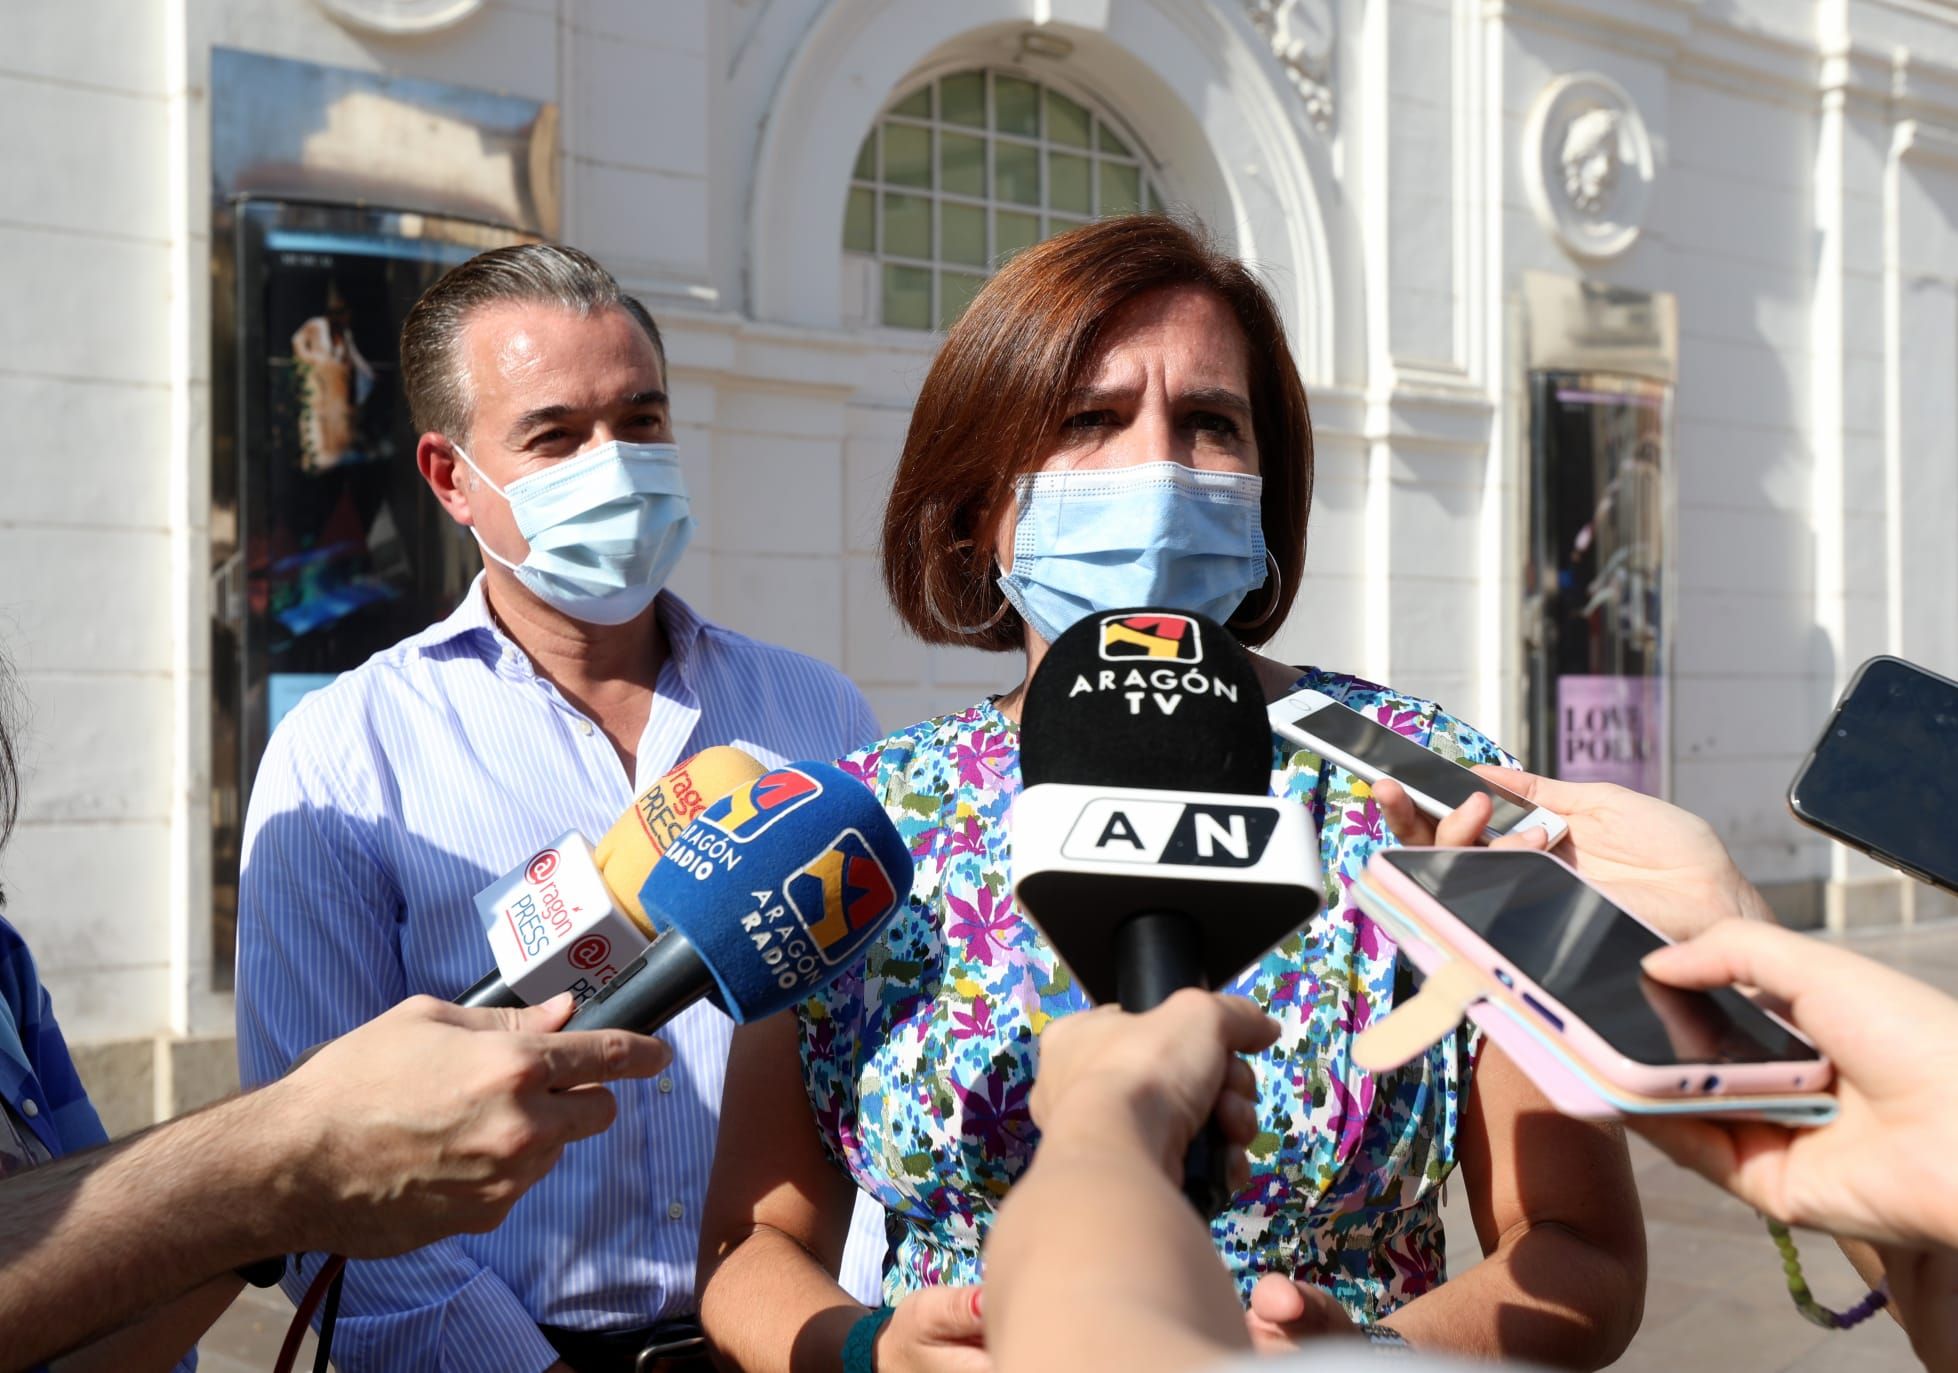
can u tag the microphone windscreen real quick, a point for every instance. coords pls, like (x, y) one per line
(1151, 697)
(780, 884)
(626, 854)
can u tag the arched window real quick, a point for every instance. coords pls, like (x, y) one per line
(964, 171)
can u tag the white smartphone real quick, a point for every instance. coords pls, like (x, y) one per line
(1371, 751)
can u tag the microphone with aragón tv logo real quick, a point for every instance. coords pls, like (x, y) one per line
(570, 917)
(1146, 846)
(772, 891)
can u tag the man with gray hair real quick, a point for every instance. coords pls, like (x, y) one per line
(567, 681)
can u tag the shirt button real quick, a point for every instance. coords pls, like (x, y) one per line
(584, 727)
(674, 1210)
(29, 1109)
(665, 1085)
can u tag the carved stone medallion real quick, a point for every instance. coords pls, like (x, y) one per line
(1588, 165)
(400, 16)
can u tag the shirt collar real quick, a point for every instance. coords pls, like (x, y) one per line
(471, 616)
(683, 630)
(472, 619)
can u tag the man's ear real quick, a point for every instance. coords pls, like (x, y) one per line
(445, 473)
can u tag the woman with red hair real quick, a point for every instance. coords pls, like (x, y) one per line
(1116, 421)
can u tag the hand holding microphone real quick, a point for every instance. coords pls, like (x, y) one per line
(432, 1119)
(756, 902)
(1155, 1079)
(428, 1120)
(1118, 1099)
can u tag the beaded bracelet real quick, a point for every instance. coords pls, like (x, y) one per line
(1812, 1310)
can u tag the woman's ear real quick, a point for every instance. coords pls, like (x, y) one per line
(996, 527)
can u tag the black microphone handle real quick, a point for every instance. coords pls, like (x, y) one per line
(490, 993)
(649, 991)
(1157, 953)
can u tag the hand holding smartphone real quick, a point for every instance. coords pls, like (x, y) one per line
(1370, 751)
(1523, 932)
(1883, 776)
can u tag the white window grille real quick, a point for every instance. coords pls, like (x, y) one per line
(962, 172)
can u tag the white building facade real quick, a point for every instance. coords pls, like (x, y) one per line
(1762, 196)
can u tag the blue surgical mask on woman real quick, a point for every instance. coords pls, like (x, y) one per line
(1155, 534)
(605, 528)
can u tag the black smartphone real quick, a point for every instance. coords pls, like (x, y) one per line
(1883, 778)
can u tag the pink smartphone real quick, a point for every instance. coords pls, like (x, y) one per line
(1570, 958)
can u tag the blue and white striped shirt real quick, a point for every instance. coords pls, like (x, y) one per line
(384, 803)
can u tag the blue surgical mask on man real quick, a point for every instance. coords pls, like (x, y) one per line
(605, 528)
(1110, 538)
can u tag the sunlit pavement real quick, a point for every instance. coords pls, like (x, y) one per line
(1716, 1300)
(246, 1338)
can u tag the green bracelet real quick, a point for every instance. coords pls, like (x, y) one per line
(860, 1346)
(1812, 1310)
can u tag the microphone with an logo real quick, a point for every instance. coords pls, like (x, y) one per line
(570, 917)
(1146, 845)
(772, 891)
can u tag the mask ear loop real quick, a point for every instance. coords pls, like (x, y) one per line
(481, 544)
(463, 453)
(931, 606)
(1276, 583)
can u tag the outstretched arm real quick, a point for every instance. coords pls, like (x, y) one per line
(145, 1345)
(1882, 1170)
(92, 1242)
(1663, 864)
(429, 1121)
(1097, 1260)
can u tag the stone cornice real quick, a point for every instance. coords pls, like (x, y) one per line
(1862, 71)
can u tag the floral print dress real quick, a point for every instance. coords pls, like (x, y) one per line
(919, 1065)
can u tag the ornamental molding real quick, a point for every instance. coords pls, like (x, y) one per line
(1301, 35)
(396, 18)
(1587, 164)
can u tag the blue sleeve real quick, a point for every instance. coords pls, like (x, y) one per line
(75, 1119)
(36, 1036)
(317, 907)
(31, 1043)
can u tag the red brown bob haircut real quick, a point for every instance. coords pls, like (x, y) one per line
(994, 401)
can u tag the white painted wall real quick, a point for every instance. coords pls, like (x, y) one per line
(85, 499)
(1805, 213)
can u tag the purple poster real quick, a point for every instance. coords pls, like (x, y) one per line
(1611, 729)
